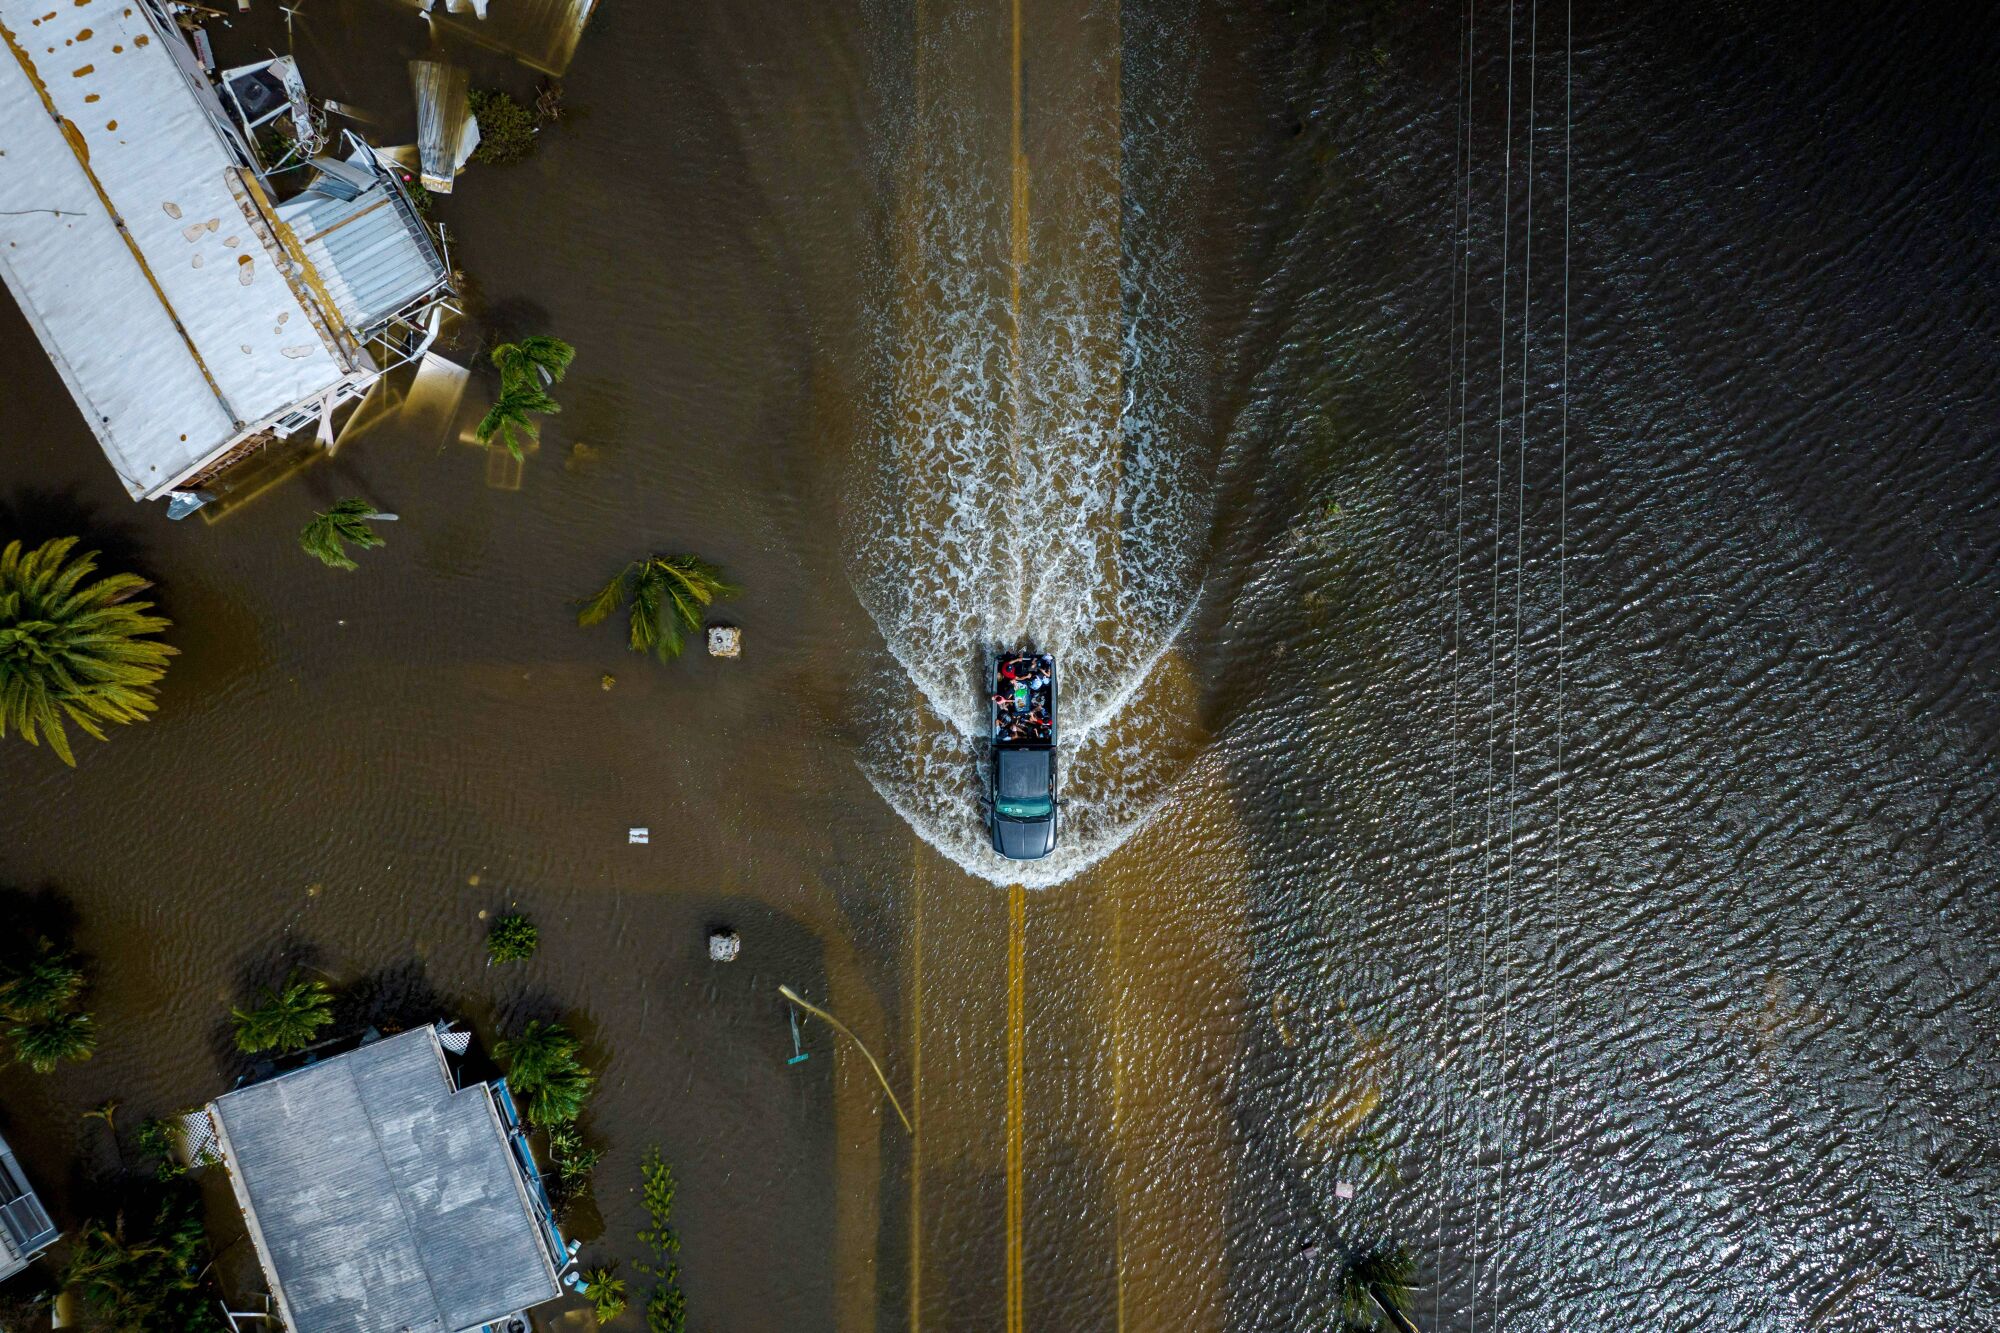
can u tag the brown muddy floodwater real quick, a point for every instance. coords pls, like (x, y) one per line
(1515, 498)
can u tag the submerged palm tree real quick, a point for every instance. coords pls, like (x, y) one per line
(41, 1043)
(534, 358)
(38, 1001)
(543, 1070)
(45, 984)
(70, 646)
(668, 593)
(286, 1019)
(605, 1291)
(511, 416)
(1376, 1287)
(324, 538)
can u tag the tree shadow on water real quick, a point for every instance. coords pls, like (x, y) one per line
(36, 516)
(32, 915)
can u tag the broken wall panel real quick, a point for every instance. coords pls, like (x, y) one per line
(442, 117)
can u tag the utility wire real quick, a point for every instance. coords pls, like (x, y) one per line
(1493, 650)
(1461, 277)
(1504, 1208)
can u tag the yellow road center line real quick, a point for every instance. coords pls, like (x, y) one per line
(1016, 1052)
(917, 1090)
(1118, 1096)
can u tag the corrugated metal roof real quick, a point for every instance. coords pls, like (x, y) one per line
(379, 1198)
(442, 96)
(371, 252)
(130, 236)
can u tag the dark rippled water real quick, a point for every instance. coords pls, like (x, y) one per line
(1543, 687)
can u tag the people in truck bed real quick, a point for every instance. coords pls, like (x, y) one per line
(1023, 708)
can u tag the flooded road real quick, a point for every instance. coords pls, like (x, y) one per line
(1514, 497)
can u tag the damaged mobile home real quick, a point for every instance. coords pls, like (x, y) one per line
(382, 1191)
(193, 316)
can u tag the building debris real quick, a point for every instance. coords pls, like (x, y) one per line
(446, 130)
(541, 34)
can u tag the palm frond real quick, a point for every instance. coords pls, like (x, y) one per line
(43, 985)
(649, 635)
(41, 1043)
(551, 356)
(669, 594)
(512, 415)
(544, 1072)
(285, 1019)
(608, 599)
(326, 536)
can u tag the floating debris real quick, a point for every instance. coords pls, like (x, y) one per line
(446, 131)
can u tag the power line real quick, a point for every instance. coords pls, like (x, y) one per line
(1458, 366)
(1493, 652)
(1503, 1205)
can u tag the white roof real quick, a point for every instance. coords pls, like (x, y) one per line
(187, 324)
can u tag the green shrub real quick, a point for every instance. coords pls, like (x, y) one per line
(574, 1161)
(666, 1309)
(161, 1140)
(153, 1282)
(512, 939)
(666, 1306)
(506, 128)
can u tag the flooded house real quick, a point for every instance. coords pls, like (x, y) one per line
(195, 311)
(25, 1228)
(380, 1192)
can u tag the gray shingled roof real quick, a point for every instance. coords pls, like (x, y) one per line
(380, 1199)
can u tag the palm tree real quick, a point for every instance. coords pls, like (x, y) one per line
(510, 414)
(512, 939)
(1376, 1287)
(534, 358)
(286, 1019)
(41, 1043)
(668, 594)
(70, 645)
(348, 521)
(45, 984)
(543, 1070)
(606, 1292)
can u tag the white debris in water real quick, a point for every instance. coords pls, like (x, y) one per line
(638, 835)
(724, 945)
(725, 641)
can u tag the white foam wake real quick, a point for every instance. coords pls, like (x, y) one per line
(1069, 513)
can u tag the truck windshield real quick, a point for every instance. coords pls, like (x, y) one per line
(1026, 807)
